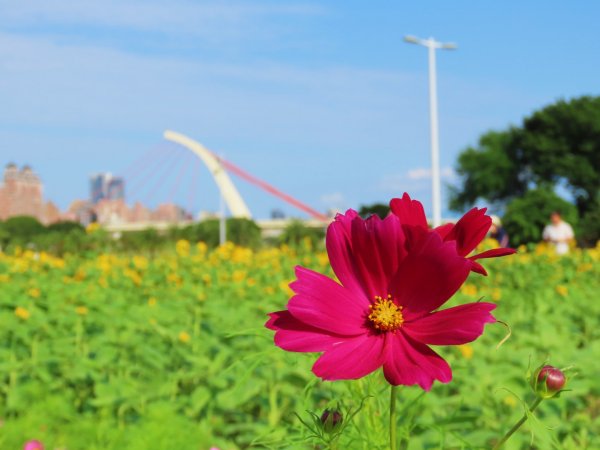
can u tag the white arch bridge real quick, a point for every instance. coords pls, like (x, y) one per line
(219, 170)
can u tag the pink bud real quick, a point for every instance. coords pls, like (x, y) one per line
(554, 378)
(331, 420)
(33, 445)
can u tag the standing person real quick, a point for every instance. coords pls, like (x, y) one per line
(498, 232)
(559, 233)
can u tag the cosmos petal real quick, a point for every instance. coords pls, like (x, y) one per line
(470, 230)
(295, 336)
(443, 230)
(429, 275)
(494, 253)
(452, 326)
(352, 358)
(408, 362)
(365, 254)
(322, 303)
(410, 212)
(338, 242)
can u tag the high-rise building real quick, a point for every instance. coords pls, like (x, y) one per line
(105, 186)
(21, 194)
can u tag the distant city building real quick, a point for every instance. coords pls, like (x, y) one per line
(277, 214)
(21, 195)
(81, 211)
(170, 212)
(105, 186)
(113, 212)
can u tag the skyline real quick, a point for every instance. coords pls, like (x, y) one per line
(309, 96)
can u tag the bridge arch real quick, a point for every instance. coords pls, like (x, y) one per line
(231, 195)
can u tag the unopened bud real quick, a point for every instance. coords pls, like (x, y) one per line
(547, 381)
(331, 420)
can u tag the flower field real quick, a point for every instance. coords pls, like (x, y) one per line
(169, 351)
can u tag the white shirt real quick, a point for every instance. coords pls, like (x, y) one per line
(559, 235)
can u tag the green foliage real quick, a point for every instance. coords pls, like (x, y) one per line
(239, 231)
(490, 170)
(557, 145)
(22, 229)
(379, 209)
(562, 142)
(296, 233)
(589, 227)
(526, 217)
(244, 232)
(148, 239)
(171, 352)
(66, 226)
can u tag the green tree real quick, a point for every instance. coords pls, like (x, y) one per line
(243, 232)
(558, 145)
(22, 230)
(296, 232)
(526, 217)
(66, 226)
(380, 209)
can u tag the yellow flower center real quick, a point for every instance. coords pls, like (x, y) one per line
(385, 315)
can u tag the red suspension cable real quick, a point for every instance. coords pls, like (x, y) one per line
(271, 190)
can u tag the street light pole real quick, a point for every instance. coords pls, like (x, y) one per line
(436, 192)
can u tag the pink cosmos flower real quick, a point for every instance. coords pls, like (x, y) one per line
(384, 312)
(468, 232)
(33, 445)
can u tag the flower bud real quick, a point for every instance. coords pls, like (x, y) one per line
(331, 420)
(548, 381)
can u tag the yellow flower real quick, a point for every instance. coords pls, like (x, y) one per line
(201, 296)
(34, 292)
(284, 286)
(469, 289)
(239, 275)
(323, 259)
(94, 226)
(466, 350)
(562, 290)
(152, 302)
(81, 310)
(496, 294)
(584, 267)
(22, 313)
(79, 275)
(184, 337)
(140, 262)
(509, 400)
(173, 278)
(201, 247)
(182, 247)
(133, 276)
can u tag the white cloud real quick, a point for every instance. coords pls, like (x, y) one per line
(212, 20)
(423, 173)
(412, 180)
(334, 199)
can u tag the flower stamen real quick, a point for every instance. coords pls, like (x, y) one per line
(385, 315)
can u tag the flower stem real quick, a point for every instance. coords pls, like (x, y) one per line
(393, 418)
(517, 425)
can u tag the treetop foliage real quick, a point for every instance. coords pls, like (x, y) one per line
(558, 145)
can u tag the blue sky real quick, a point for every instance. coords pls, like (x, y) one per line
(320, 98)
